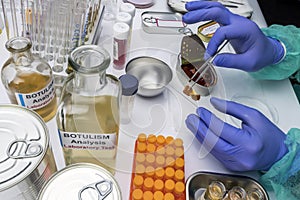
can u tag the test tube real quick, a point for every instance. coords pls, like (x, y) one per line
(160, 140)
(121, 31)
(137, 194)
(159, 173)
(140, 158)
(158, 195)
(150, 159)
(148, 184)
(140, 169)
(169, 196)
(179, 163)
(148, 195)
(110, 9)
(169, 173)
(138, 181)
(160, 150)
(5, 18)
(158, 185)
(169, 186)
(169, 139)
(128, 8)
(179, 190)
(151, 148)
(150, 171)
(179, 175)
(160, 161)
(151, 138)
(129, 89)
(141, 147)
(170, 151)
(170, 161)
(142, 137)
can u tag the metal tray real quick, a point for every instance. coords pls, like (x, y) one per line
(163, 22)
(199, 181)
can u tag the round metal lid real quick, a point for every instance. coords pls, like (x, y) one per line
(23, 144)
(82, 181)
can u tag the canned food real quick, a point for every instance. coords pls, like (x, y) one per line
(163, 23)
(207, 30)
(81, 181)
(26, 160)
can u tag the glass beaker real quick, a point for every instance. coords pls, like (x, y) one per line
(28, 79)
(88, 113)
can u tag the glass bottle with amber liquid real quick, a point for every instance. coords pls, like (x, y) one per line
(28, 79)
(88, 112)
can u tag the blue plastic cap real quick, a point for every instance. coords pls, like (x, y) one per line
(129, 84)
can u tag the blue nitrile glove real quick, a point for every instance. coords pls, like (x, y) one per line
(254, 50)
(256, 146)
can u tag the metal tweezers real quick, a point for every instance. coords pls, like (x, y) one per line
(204, 67)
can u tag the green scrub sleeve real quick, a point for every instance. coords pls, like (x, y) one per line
(284, 175)
(290, 64)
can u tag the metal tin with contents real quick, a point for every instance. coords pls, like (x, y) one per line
(198, 182)
(81, 181)
(207, 30)
(26, 160)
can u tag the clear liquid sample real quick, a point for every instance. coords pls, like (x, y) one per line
(90, 117)
(29, 82)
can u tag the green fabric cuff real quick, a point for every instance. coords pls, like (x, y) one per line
(284, 176)
(289, 36)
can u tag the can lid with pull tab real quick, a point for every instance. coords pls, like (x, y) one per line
(81, 181)
(23, 145)
(163, 23)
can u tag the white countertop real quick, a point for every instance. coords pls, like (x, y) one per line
(165, 114)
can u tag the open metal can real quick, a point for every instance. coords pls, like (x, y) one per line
(26, 160)
(81, 181)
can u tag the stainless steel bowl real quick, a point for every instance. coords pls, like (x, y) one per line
(153, 75)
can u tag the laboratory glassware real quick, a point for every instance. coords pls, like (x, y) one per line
(28, 79)
(88, 113)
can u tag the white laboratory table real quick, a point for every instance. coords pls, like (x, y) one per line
(165, 114)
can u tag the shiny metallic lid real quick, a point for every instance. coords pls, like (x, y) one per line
(23, 144)
(81, 181)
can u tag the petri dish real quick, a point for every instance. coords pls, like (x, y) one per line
(267, 109)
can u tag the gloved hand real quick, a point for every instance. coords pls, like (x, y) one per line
(254, 50)
(256, 146)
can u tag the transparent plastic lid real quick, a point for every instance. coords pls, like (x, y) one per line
(267, 109)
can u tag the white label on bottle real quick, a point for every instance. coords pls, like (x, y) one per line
(38, 99)
(116, 50)
(170, 23)
(88, 141)
(210, 29)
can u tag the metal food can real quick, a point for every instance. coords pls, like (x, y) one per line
(26, 160)
(81, 181)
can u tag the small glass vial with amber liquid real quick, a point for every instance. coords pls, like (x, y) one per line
(236, 193)
(88, 112)
(215, 191)
(28, 79)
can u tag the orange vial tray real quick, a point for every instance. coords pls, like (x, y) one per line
(158, 168)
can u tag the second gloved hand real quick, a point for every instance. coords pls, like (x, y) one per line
(256, 146)
(254, 50)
